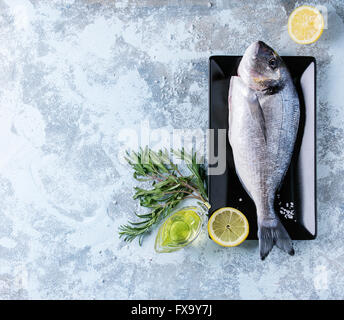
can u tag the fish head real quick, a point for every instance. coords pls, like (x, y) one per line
(261, 68)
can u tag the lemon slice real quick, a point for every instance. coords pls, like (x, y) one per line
(228, 227)
(305, 24)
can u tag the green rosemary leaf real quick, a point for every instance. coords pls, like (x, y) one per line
(168, 187)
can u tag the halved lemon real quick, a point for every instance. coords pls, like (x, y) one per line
(228, 227)
(305, 24)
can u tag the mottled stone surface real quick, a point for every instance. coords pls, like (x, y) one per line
(72, 75)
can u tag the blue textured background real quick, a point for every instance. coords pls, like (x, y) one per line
(72, 75)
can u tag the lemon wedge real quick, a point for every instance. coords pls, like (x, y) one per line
(228, 227)
(305, 24)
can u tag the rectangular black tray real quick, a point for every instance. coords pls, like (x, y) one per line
(299, 185)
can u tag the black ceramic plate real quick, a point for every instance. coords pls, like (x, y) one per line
(296, 201)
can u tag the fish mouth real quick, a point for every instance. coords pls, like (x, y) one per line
(250, 58)
(254, 68)
(259, 49)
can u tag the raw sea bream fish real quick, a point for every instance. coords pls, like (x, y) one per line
(264, 113)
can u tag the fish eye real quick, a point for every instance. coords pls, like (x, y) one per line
(273, 63)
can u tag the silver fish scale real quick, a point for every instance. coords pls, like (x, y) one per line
(247, 140)
(281, 112)
(262, 158)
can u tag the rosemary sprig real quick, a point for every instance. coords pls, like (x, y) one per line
(169, 187)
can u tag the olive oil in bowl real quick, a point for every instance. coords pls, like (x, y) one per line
(179, 230)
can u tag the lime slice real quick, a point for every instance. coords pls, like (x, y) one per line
(228, 227)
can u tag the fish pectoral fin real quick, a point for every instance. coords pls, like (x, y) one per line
(244, 101)
(258, 115)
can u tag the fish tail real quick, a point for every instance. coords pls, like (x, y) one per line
(271, 232)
